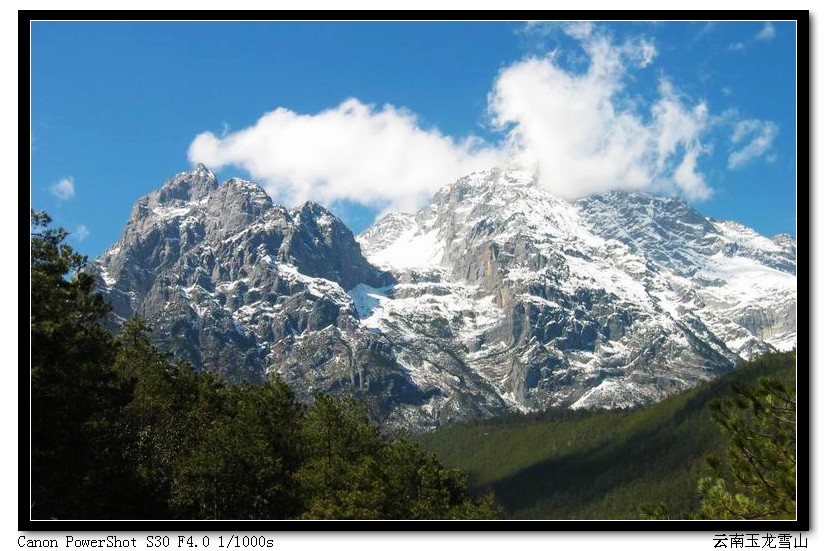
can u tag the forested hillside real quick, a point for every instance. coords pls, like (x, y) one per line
(121, 431)
(637, 463)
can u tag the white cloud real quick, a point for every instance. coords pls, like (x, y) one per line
(767, 32)
(81, 232)
(648, 52)
(579, 29)
(751, 138)
(737, 47)
(582, 132)
(577, 123)
(377, 157)
(64, 189)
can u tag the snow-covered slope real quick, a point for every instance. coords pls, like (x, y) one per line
(496, 296)
(610, 301)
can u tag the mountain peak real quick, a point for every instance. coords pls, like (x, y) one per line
(582, 291)
(498, 295)
(245, 191)
(311, 207)
(191, 185)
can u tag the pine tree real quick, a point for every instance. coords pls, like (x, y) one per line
(757, 479)
(77, 469)
(353, 471)
(241, 461)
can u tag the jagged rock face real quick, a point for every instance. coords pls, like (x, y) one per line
(613, 300)
(495, 296)
(246, 288)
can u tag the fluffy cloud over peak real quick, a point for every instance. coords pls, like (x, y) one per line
(377, 157)
(585, 132)
(576, 116)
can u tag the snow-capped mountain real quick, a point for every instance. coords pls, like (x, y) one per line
(613, 300)
(495, 296)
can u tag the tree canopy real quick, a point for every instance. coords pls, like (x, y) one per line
(121, 430)
(75, 389)
(757, 478)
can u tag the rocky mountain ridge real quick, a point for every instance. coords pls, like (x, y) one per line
(495, 296)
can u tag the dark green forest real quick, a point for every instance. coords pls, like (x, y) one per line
(121, 430)
(725, 449)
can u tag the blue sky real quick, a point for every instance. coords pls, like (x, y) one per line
(371, 117)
